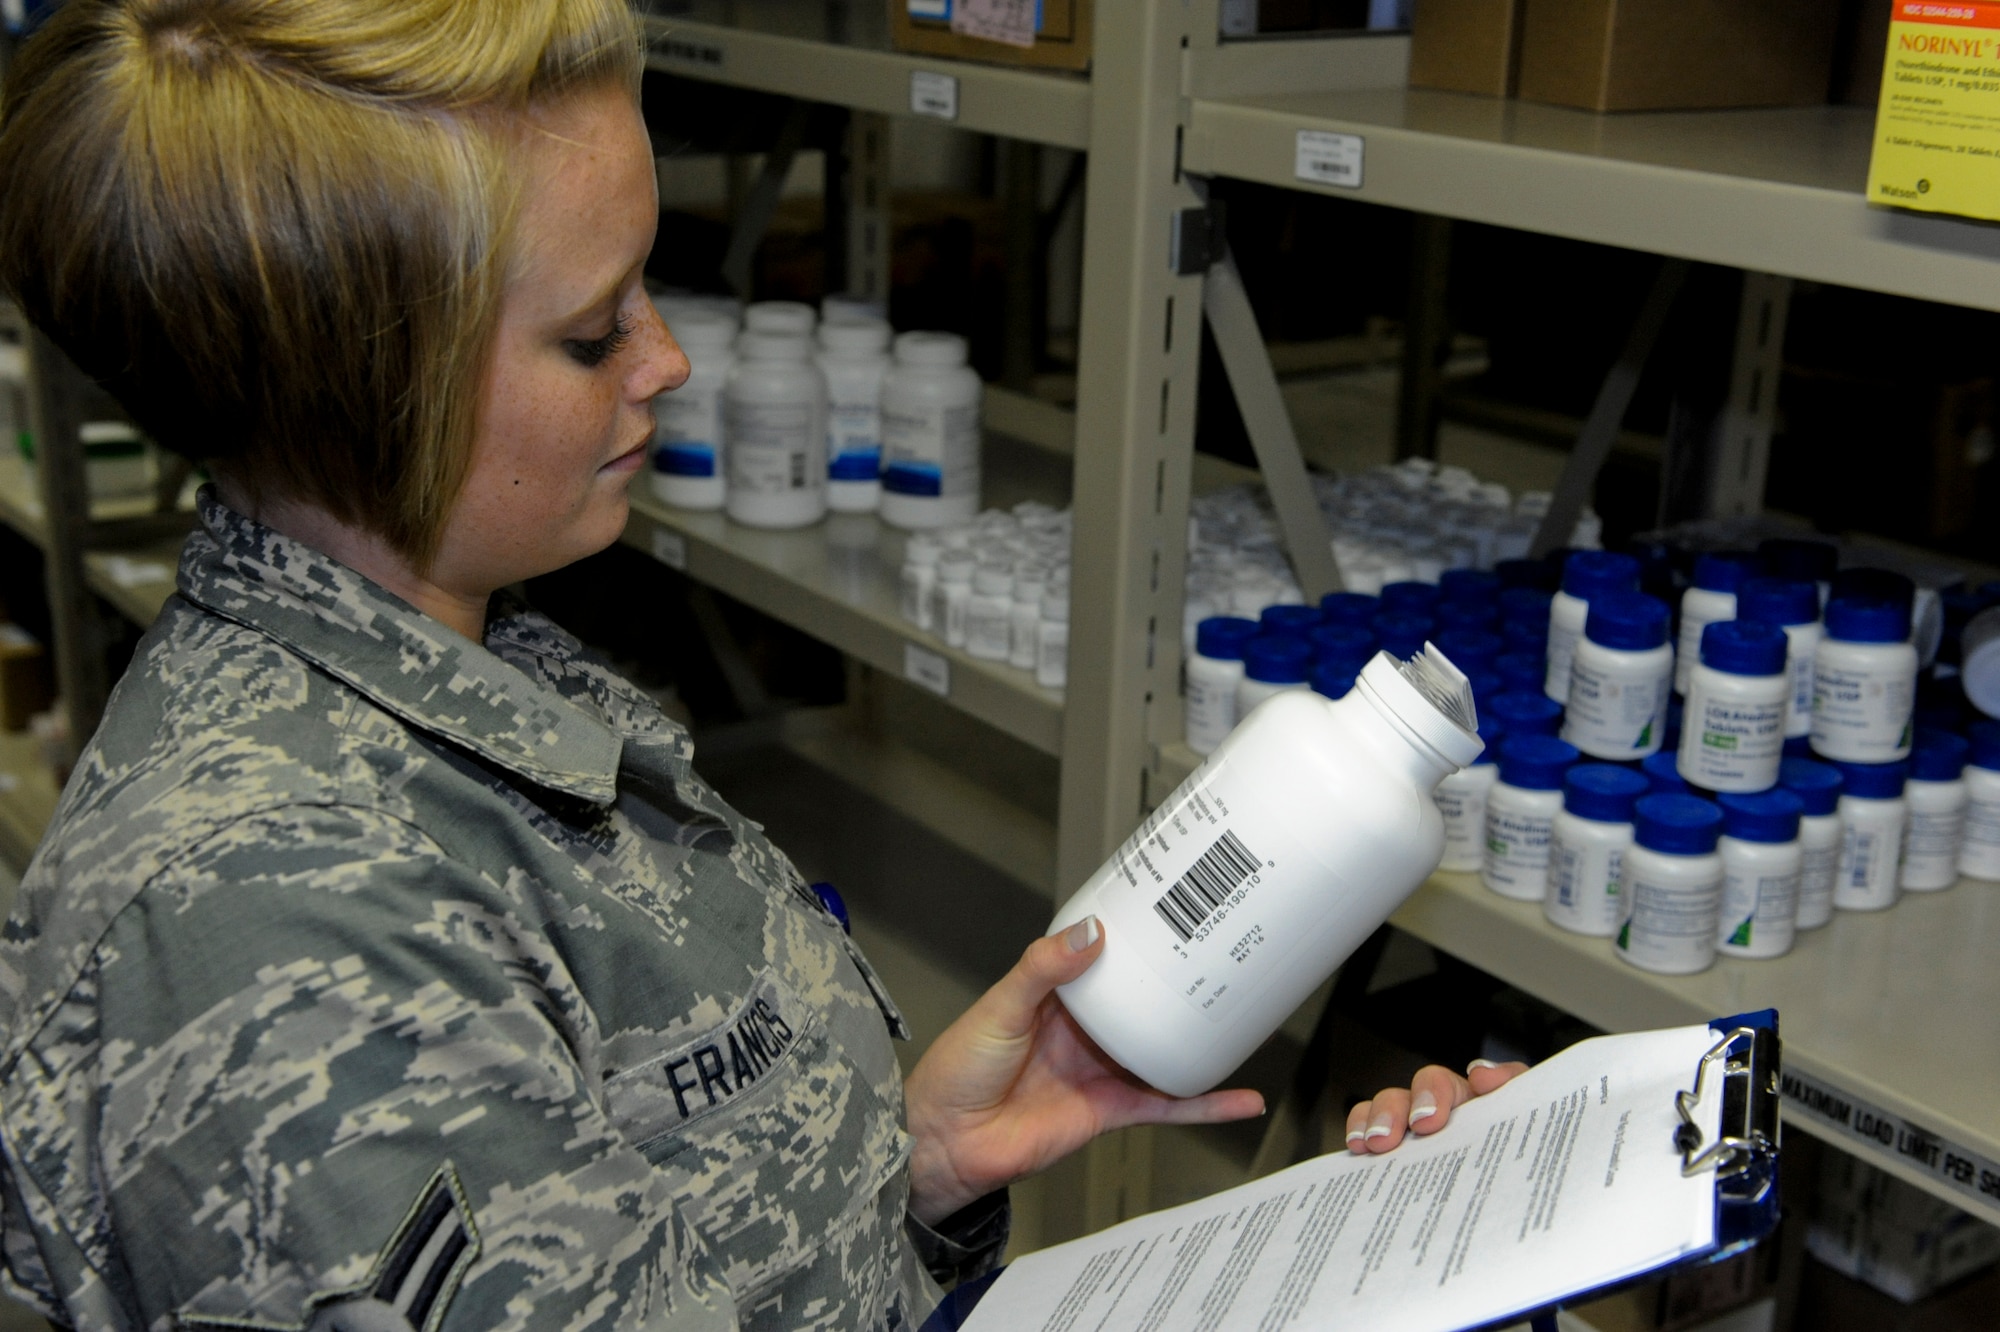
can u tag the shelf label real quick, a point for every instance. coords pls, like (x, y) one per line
(1329, 159)
(927, 670)
(1012, 22)
(701, 57)
(670, 549)
(1883, 1135)
(934, 94)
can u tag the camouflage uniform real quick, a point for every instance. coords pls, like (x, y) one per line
(370, 978)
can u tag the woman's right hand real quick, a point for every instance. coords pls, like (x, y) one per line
(1377, 1126)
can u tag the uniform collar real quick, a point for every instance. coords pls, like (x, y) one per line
(406, 662)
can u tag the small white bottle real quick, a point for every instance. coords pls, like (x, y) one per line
(1979, 852)
(930, 433)
(776, 410)
(854, 357)
(1938, 800)
(1587, 575)
(1024, 616)
(1620, 679)
(1733, 727)
(1821, 835)
(1213, 674)
(1713, 597)
(989, 613)
(1272, 664)
(1301, 827)
(1588, 841)
(689, 461)
(786, 318)
(919, 576)
(1762, 863)
(1673, 886)
(1052, 637)
(848, 308)
(950, 594)
(1521, 812)
(1461, 802)
(1864, 682)
(1794, 607)
(1873, 817)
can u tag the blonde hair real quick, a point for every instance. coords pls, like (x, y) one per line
(277, 229)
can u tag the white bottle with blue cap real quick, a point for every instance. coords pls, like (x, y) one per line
(1938, 798)
(1272, 664)
(1673, 886)
(1733, 727)
(689, 462)
(1461, 802)
(1793, 606)
(1873, 817)
(1821, 835)
(1521, 812)
(1864, 682)
(1213, 673)
(1979, 853)
(1761, 866)
(1587, 845)
(1717, 576)
(1587, 575)
(1620, 679)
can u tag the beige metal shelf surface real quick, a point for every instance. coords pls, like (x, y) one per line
(27, 798)
(1771, 191)
(840, 55)
(110, 571)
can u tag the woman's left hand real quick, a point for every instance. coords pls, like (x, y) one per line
(1015, 1085)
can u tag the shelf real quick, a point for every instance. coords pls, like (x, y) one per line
(27, 798)
(1774, 191)
(135, 580)
(840, 55)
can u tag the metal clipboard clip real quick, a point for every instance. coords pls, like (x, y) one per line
(1742, 1068)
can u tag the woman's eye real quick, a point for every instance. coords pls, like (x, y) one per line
(593, 352)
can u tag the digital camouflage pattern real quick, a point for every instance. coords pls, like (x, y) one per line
(372, 979)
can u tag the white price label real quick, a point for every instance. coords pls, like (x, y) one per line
(927, 670)
(934, 94)
(1329, 159)
(670, 549)
(1010, 21)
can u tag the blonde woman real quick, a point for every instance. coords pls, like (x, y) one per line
(388, 965)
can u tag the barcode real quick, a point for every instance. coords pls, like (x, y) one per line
(1206, 886)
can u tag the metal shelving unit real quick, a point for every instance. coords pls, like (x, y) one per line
(113, 573)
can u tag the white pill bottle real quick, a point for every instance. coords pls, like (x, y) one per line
(1587, 847)
(930, 433)
(1521, 811)
(1761, 865)
(1587, 575)
(1979, 852)
(1794, 607)
(1276, 859)
(1821, 835)
(1461, 801)
(1938, 798)
(688, 461)
(1214, 671)
(1873, 817)
(1673, 886)
(776, 407)
(1717, 576)
(854, 357)
(1864, 682)
(1620, 679)
(1733, 727)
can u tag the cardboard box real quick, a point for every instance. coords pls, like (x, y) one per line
(1897, 1238)
(1937, 127)
(1666, 55)
(25, 687)
(1469, 46)
(1062, 34)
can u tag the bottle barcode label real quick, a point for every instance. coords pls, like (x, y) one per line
(1206, 886)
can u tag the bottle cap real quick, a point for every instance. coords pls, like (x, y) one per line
(1343, 643)
(1356, 608)
(1490, 733)
(1429, 699)
(922, 548)
(792, 317)
(1663, 775)
(1725, 570)
(1817, 785)
(1798, 746)
(1221, 637)
(992, 580)
(956, 566)
(1627, 621)
(696, 327)
(1602, 793)
(1402, 635)
(755, 346)
(1875, 585)
(1535, 762)
(1778, 601)
(1521, 670)
(1762, 816)
(1806, 561)
(1676, 825)
(1985, 737)
(1482, 614)
(1276, 658)
(1589, 574)
(1858, 620)
(1533, 574)
(1744, 647)
(856, 337)
(1335, 679)
(930, 349)
(1468, 585)
(1289, 619)
(1469, 648)
(1412, 598)
(1939, 756)
(1874, 781)
(1527, 712)
(1525, 605)
(843, 307)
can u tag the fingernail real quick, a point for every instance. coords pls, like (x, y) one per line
(1479, 1064)
(1356, 1135)
(1379, 1127)
(1423, 1106)
(1082, 934)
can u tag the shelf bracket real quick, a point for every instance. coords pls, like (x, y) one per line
(1742, 459)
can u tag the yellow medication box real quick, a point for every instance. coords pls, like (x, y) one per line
(1937, 130)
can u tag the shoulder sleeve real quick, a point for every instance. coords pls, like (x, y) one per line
(341, 1069)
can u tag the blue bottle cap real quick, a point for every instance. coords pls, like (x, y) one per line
(1467, 614)
(1334, 678)
(1344, 643)
(1627, 621)
(1221, 637)
(1490, 733)
(1356, 608)
(1985, 737)
(1854, 619)
(1873, 781)
(1483, 684)
(1725, 570)
(1798, 746)
(1468, 585)
(1277, 659)
(1778, 601)
(1468, 648)
(1939, 756)
(1527, 712)
(1289, 619)
(1875, 585)
(1676, 825)
(1412, 598)
(1589, 574)
(1817, 785)
(1744, 647)
(1602, 793)
(1761, 816)
(1525, 605)
(1535, 762)
(1662, 773)
(1403, 635)
(1526, 573)
(1525, 671)
(1807, 561)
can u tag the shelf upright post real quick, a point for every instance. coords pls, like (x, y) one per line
(868, 142)
(1742, 453)
(1139, 345)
